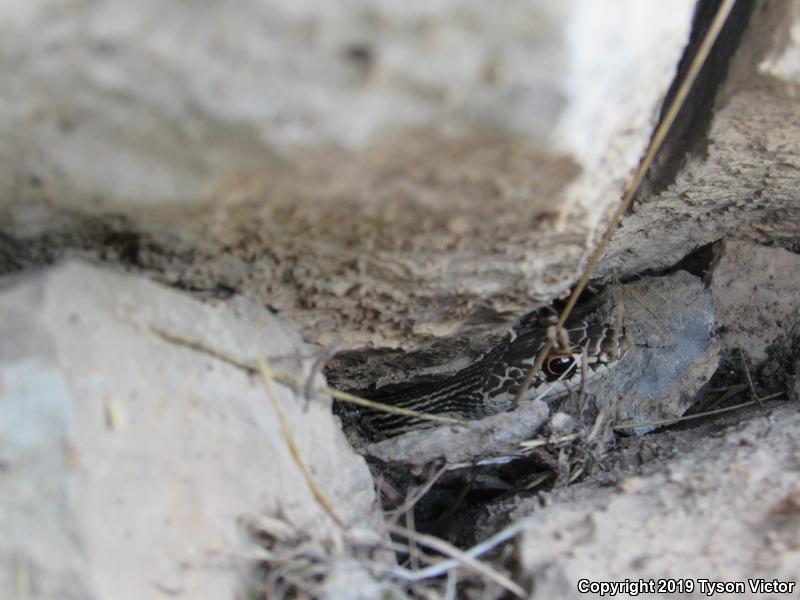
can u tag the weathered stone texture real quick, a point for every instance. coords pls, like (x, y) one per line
(739, 161)
(672, 320)
(382, 172)
(726, 509)
(489, 438)
(128, 462)
(757, 292)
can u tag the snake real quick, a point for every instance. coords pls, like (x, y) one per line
(489, 385)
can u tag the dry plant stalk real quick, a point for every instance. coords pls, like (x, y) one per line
(415, 497)
(462, 557)
(708, 413)
(655, 144)
(294, 449)
(749, 379)
(288, 380)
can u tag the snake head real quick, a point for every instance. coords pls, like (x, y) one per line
(603, 344)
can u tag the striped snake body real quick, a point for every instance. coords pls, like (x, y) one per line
(489, 385)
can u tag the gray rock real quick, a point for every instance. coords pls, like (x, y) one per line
(380, 167)
(128, 461)
(486, 441)
(561, 424)
(672, 320)
(731, 167)
(724, 510)
(757, 293)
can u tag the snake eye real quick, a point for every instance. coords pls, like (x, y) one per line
(557, 364)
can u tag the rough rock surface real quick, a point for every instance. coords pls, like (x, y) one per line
(732, 165)
(757, 293)
(780, 372)
(381, 172)
(672, 320)
(127, 460)
(496, 436)
(724, 507)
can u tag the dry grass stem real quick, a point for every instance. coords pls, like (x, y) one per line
(654, 290)
(316, 491)
(639, 300)
(457, 503)
(413, 554)
(451, 586)
(290, 381)
(415, 497)
(747, 374)
(727, 393)
(599, 422)
(539, 480)
(535, 368)
(584, 377)
(709, 413)
(351, 399)
(552, 441)
(736, 388)
(575, 474)
(461, 557)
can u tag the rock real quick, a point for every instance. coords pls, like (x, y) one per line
(128, 461)
(731, 166)
(757, 300)
(489, 440)
(725, 510)
(561, 424)
(672, 320)
(380, 172)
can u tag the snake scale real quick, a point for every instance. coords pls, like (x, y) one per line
(489, 385)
